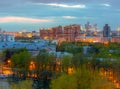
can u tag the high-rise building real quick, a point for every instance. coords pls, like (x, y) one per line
(95, 27)
(88, 26)
(89, 29)
(106, 30)
(68, 32)
(51, 33)
(71, 32)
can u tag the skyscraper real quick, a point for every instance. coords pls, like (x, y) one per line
(106, 30)
(88, 26)
(95, 27)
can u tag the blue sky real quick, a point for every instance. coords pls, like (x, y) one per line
(29, 15)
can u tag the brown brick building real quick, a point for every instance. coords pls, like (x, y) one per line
(51, 33)
(69, 33)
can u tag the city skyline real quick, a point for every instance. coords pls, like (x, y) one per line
(35, 14)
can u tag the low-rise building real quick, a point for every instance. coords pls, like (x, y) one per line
(6, 38)
(88, 39)
(115, 39)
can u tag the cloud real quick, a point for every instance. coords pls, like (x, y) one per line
(106, 5)
(67, 6)
(22, 20)
(62, 5)
(69, 17)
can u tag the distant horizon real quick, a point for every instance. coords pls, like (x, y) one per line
(35, 14)
(37, 30)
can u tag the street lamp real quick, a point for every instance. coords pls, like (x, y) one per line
(32, 65)
(9, 63)
(31, 68)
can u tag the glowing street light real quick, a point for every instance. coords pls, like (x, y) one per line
(32, 65)
(9, 63)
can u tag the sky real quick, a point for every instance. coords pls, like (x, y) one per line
(30, 15)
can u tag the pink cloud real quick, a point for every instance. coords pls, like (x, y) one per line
(22, 20)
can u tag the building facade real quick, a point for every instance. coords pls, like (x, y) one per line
(51, 33)
(6, 38)
(106, 30)
(72, 33)
(69, 33)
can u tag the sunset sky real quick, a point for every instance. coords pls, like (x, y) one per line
(29, 15)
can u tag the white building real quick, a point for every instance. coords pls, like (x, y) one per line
(6, 38)
(10, 38)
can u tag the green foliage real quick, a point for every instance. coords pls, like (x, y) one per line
(101, 83)
(44, 59)
(9, 52)
(2, 56)
(66, 62)
(64, 82)
(99, 49)
(69, 47)
(21, 60)
(82, 79)
(85, 77)
(76, 60)
(27, 84)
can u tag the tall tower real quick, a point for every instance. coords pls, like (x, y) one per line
(106, 30)
(88, 26)
(95, 27)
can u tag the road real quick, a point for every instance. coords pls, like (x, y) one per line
(4, 84)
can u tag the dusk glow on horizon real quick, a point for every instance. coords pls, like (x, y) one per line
(22, 20)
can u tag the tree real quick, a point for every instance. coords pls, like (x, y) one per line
(44, 65)
(81, 79)
(21, 60)
(26, 84)
(76, 60)
(64, 82)
(20, 64)
(11, 51)
(101, 83)
(44, 60)
(66, 62)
